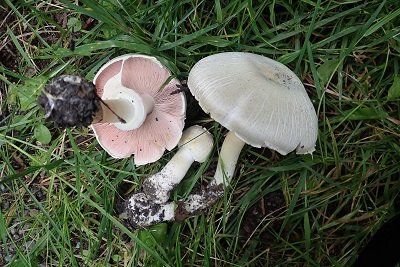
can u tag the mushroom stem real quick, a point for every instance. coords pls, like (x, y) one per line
(160, 184)
(143, 212)
(125, 104)
(228, 157)
(151, 207)
(106, 113)
(195, 145)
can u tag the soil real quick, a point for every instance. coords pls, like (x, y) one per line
(258, 215)
(72, 93)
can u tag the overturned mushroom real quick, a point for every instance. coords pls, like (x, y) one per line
(131, 108)
(150, 207)
(261, 101)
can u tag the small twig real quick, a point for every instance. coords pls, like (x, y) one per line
(181, 88)
(112, 111)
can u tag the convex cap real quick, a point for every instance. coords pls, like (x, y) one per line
(262, 101)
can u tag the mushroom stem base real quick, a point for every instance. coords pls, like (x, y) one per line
(144, 212)
(197, 203)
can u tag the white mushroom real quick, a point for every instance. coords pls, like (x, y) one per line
(261, 101)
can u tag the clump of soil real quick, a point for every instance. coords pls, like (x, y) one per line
(69, 101)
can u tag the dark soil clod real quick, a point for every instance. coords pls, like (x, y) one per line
(70, 101)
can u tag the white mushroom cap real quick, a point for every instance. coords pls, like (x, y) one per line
(259, 99)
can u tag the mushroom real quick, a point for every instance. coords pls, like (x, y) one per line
(131, 110)
(150, 207)
(260, 101)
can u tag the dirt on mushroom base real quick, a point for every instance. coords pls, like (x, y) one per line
(205, 198)
(73, 94)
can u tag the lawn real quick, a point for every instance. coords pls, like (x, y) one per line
(61, 194)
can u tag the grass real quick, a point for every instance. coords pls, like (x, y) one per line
(345, 52)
